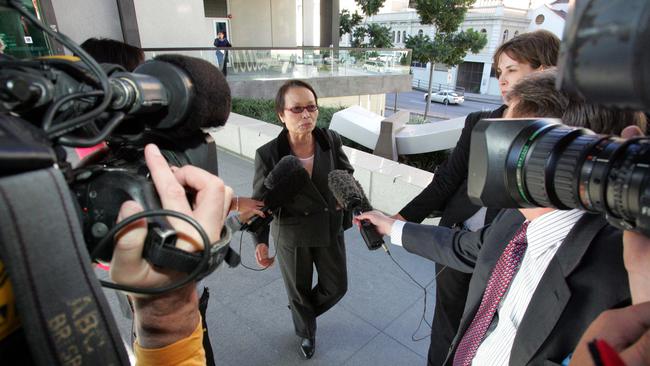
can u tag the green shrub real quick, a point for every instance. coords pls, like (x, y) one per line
(264, 110)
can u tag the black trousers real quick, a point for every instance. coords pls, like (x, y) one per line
(451, 293)
(297, 267)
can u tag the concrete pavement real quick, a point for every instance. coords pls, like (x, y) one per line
(249, 323)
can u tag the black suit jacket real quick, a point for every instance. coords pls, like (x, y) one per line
(312, 218)
(585, 277)
(447, 192)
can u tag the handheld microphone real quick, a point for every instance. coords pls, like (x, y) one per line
(284, 182)
(350, 195)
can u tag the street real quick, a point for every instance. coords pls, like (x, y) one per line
(414, 102)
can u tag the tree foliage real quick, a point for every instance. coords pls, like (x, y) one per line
(370, 7)
(347, 21)
(446, 48)
(446, 15)
(379, 36)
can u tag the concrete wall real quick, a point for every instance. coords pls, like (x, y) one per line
(251, 23)
(82, 19)
(388, 184)
(283, 23)
(375, 103)
(173, 23)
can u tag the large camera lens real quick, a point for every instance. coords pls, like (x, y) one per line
(553, 165)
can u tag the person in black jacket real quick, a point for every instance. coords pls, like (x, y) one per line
(308, 230)
(447, 192)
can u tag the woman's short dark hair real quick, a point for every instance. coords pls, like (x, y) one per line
(110, 51)
(284, 89)
(538, 48)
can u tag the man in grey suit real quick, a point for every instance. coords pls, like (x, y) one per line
(572, 270)
(539, 275)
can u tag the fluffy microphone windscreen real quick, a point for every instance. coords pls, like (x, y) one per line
(210, 106)
(344, 188)
(365, 203)
(287, 178)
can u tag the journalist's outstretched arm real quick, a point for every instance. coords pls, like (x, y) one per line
(455, 248)
(168, 326)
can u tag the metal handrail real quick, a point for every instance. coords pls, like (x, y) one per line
(277, 49)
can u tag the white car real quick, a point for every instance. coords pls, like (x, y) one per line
(446, 97)
(374, 66)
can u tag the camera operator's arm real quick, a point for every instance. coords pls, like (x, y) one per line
(636, 249)
(172, 318)
(636, 256)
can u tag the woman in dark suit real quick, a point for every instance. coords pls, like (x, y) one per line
(309, 230)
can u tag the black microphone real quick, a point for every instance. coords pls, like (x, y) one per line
(283, 183)
(350, 195)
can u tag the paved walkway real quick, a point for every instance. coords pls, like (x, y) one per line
(249, 323)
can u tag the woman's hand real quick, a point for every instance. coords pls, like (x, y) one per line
(262, 255)
(247, 208)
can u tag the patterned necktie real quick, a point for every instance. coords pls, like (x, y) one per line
(497, 285)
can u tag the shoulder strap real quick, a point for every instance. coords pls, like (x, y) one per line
(64, 313)
(335, 142)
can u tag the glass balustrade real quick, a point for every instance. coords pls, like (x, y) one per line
(285, 63)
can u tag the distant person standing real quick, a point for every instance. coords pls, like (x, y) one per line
(222, 55)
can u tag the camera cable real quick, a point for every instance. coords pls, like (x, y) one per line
(424, 289)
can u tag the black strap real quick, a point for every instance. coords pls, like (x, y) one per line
(62, 307)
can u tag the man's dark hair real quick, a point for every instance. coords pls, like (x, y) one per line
(110, 51)
(535, 95)
(284, 89)
(538, 48)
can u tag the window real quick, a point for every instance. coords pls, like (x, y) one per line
(403, 35)
(539, 19)
(393, 37)
(440, 67)
(516, 34)
(215, 8)
(420, 32)
(398, 37)
(483, 30)
(505, 36)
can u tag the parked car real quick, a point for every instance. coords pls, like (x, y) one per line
(375, 66)
(446, 97)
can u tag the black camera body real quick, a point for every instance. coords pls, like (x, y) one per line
(543, 163)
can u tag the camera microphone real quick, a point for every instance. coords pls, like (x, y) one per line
(350, 195)
(283, 183)
(178, 95)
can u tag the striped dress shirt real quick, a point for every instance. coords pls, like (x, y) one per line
(545, 234)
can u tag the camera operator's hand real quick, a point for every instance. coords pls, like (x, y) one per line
(626, 330)
(164, 319)
(383, 222)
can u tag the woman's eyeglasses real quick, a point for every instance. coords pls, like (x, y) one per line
(297, 110)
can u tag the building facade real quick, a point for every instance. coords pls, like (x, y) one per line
(499, 20)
